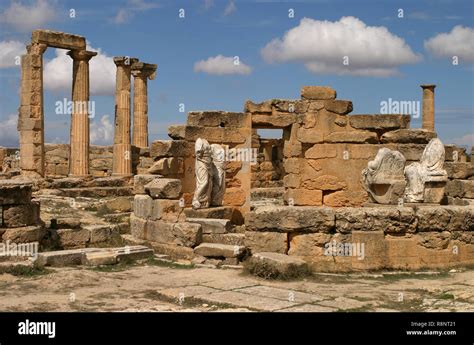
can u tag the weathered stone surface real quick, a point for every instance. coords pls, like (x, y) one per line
(99, 258)
(61, 258)
(318, 92)
(379, 122)
(358, 136)
(274, 121)
(167, 210)
(58, 39)
(387, 219)
(321, 151)
(164, 188)
(264, 107)
(445, 218)
(276, 265)
(21, 215)
(234, 197)
(104, 233)
(213, 226)
(324, 182)
(222, 212)
(138, 226)
(274, 242)
(434, 240)
(70, 238)
(310, 135)
(15, 192)
(167, 148)
(233, 239)
(177, 132)
(216, 119)
(303, 197)
(345, 198)
(288, 219)
(459, 170)
(416, 136)
(139, 182)
(167, 166)
(460, 188)
(219, 135)
(219, 250)
(338, 106)
(25, 234)
(182, 234)
(307, 244)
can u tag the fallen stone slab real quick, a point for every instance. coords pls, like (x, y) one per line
(219, 250)
(275, 265)
(418, 136)
(60, 258)
(221, 212)
(164, 188)
(213, 226)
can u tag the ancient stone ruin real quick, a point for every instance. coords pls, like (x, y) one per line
(337, 192)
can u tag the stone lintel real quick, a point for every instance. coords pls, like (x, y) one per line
(57, 39)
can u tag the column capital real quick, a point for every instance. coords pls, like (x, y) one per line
(428, 86)
(144, 70)
(36, 48)
(125, 60)
(81, 55)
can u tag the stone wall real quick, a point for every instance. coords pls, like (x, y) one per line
(393, 237)
(268, 171)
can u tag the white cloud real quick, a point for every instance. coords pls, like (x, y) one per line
(323, 45)
(125, 14)
(26, 18)
(102, 133)
(8, 131)
(9, 53)
(459, 42)
(58, 73)
(221, 65)
(230, 8)
(465, 140)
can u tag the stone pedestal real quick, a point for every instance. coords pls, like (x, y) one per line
(141, 73)
(122, 161)
(31, 118)
(428, 107)
(79, 156)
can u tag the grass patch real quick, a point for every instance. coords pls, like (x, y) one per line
(445, 295)
(25, 271)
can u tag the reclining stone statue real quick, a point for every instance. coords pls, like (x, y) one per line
(383, 178)
(210, 174)
(427, 179)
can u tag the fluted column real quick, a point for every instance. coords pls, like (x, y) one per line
(31, 114)
(428, 107)
(79, 150)
(141, 73)
(122, 160)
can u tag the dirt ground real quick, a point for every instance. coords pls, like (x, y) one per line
(156, 286)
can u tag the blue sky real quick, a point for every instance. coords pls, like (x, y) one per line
(153, 32)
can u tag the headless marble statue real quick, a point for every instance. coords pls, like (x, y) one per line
(218, 174)
(202, 194)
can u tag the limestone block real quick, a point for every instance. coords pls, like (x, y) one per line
(264, 107)
(164, 188)
(434, 240)
(310, 135)
(321, 151)
(345, 198)
(292, 149)
(182, 234)
(416, 136)
(274, 121)
(277, 265)
(274, 242)
(25, 234)
(358, 136)
(445, 218)
(216, 119)
(138, 227)
(21, 215)
(304, 197)
(70, 238)
(235, 197)
(290, 219)
(318, 92)
(460, 188)
(167, 148)
(374, 255)
(139, 182)
(104, 233)
(58, 39)
(338, 106)
(289, 106)
(230, 239)
(223, 212)
(324, 182)
(388, 219)
(177, 132)
(292, 180)
(142, 206)
(307, 244)
(218, 135)
(459, 170)
(15, 192)
(213, 226)
(167, 166)
(380, 122)
(219, 250)
(167, 210)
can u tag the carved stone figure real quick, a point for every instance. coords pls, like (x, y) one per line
(202, 194)
(218, 174)
(426, 180)
(383, 178)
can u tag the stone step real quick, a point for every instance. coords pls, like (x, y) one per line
(460, 189)
(217, 250)
(96, 192)
(267, 193)
(212, 225)
(93, 256)
(221, 212)
(229, 239)
(275, 265)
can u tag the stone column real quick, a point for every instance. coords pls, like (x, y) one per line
(122, 160)
(428, 107)
(31, 114)
(141, 73)
(79, 150)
